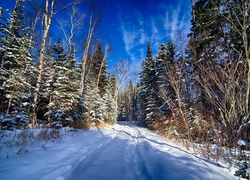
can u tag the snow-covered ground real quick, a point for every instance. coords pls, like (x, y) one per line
(123, 151)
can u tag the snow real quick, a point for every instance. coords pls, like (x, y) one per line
(123, 151)
(241, 143)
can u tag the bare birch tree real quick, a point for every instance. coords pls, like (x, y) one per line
(123, 73)
(92, 25)
(72, 26)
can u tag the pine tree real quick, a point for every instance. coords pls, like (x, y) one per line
(161, 65)
(61, 84)
(110, 102)
(96, 84)
(141, 101)
(94, 103)
(207, 30)
(16, 63)
(208, 39)
(100, 66)
(170, 66)
(47, 88)
(73, 74)
(147, 95)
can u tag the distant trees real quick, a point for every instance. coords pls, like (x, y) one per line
(126, 92)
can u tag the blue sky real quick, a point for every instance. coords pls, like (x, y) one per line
(130, 24)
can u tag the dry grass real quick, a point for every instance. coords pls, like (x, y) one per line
(102, 125)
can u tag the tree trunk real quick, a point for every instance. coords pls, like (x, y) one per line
(47, 18)
(85, 53)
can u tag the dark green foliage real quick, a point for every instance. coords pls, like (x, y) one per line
(207, 29)
(60, 99)
(101, 91)
(147, 95)
(128, 103)
(165, 64)
(110, 101)
(16, 63)
(99, 69)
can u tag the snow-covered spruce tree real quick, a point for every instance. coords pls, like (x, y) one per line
(47, 87)
(161, 70)
(93, 101)
(170, 66)
(100, 65)
(160, 65)
(61, 83)
(58, 83)
(114, 106)
(96, 83)
(110, 102)
(73, 74)
(16, 66)
(208, 43)
(165, 65)
(141, 101)
(147, 95)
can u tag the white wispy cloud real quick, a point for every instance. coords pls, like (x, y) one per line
(128, 38)
(137, 28)
(177, 19)
(134, 35)
(167, 24)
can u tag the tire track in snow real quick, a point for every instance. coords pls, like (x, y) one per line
(142, 163)
(85, 151)
(109, 156)
(130, 155)
(138, 165)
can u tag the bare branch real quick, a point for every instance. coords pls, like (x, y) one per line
(68, 5)
(71, 26)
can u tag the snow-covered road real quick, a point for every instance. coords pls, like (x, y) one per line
(136, 153)
(123, 151)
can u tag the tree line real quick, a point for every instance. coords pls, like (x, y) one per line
(41, 79)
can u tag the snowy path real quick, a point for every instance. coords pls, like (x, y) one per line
(136, 153)
(123, 151)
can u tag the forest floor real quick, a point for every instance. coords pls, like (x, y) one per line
(122, 151)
